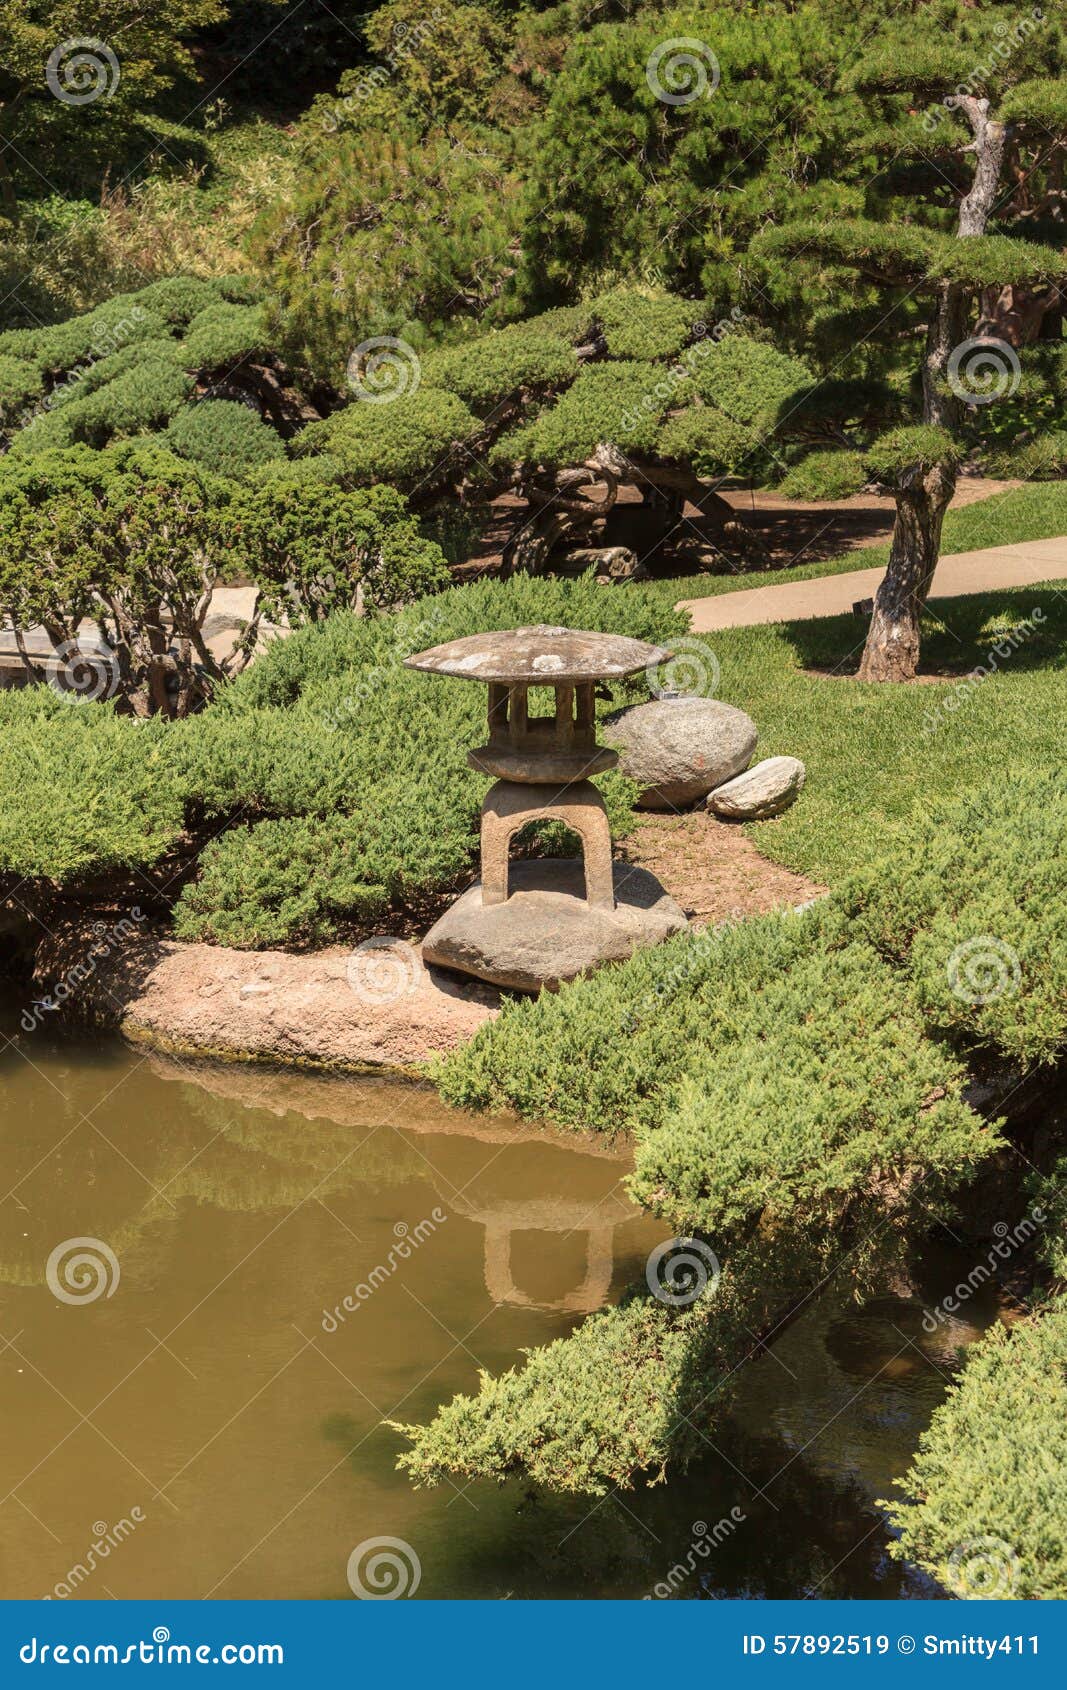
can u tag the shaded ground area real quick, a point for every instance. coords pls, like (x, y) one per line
(792, 531)
(712, 868)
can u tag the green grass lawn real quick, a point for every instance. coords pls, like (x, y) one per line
(872, 762)
(1035, 512)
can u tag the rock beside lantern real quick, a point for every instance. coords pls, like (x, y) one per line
(764, 790)
(679, 749)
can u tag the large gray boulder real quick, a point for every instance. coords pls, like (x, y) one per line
(546, 932)
(677, 749)
(765, 790)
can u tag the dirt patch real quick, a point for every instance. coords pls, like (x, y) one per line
(712, 868)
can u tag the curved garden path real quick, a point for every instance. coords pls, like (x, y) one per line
(996, 567)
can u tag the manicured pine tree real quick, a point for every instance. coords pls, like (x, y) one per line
(968, 112)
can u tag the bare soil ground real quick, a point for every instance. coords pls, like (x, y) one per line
(712, 868)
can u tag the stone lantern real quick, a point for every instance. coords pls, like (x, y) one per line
(534, 923)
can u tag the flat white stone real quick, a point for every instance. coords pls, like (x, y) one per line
(765, 790)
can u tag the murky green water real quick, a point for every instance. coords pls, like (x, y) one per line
(214, 1415)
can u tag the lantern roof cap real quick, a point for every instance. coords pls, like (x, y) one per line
(539, 656)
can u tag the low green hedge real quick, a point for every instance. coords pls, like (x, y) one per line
(402, 441)
(631, 1391)
(84, 791)
(816, 1084)
(577, 1416)
(138, 400)
(127, 367)
(20, 381)
(503, 362)
(975, 908)
(986, 1508)
(222, 334)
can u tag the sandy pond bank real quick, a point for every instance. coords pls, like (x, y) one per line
(322, 1009)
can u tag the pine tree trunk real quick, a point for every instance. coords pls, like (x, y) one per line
(892, 649)
(946, 330)
(941, 407)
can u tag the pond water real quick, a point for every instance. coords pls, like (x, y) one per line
(213, 1413)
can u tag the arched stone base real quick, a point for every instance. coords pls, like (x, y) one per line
(509, 807)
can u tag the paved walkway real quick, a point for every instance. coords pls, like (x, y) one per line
(1020, 565)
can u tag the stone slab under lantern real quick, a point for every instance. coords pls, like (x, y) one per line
(532, 924)
(546, 933)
